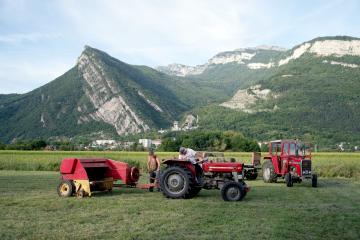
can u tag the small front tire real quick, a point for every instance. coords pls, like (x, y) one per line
(288, 180)
(314, 181)
(233, 191)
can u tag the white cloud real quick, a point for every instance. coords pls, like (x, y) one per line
(190, 28)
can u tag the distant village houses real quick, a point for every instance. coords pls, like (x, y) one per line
(149, 143)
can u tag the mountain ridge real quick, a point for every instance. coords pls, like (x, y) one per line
(104, 96)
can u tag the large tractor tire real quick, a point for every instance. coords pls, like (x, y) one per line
(314, 180)
(233, 191)
(176, 182)
(288, 180)
(65, 188)
(269, 174)
(194, 191)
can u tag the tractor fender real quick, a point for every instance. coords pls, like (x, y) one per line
(184, 163)
(175, 161)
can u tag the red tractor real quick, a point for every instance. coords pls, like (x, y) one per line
(182, 179)
(289, 159)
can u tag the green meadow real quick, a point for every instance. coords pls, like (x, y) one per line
(31, 208)
(334, 164)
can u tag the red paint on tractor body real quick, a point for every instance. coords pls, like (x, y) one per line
(286, 157)
(222, 167)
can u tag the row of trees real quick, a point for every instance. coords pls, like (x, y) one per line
(40, 145)
(24, 145)
(197, 140)
(208, 140)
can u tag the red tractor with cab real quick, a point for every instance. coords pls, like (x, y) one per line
(288, 159)
(182, 179)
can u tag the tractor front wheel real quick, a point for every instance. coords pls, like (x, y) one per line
(175, 182)
(288, 180)
(269, 174)
(251, 175)
(65, 188)
(233, 191)
(314, 180)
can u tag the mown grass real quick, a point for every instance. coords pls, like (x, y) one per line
(325, 164)
(31, 209)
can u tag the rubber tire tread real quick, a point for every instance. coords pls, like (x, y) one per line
(186, 174)
(70, 184)
(232, 184)
(314, 181)
(273, 175)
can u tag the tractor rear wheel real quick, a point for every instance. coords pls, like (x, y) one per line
(269, 174)
(288, 180)
(65, 188)
(194, 191)
(233, 191)
(175, 182)
(314, 180)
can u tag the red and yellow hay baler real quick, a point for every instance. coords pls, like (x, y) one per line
(81, 177)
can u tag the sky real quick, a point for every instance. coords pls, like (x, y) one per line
(42, 39)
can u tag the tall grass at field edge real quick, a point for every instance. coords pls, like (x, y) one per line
(345, 165)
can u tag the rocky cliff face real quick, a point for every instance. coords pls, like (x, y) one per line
(324, 48)
(242, 56)
(321, 47)
(245, 99)
(103, 93)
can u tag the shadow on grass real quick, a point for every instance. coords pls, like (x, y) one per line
(322, 182)
(120, 191)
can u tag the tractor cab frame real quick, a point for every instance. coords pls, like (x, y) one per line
(288, 159)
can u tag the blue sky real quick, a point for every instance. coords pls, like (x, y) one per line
(40, 40)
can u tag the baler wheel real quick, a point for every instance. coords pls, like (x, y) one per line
(288, 180)
(80, 193)
(233, 191)
(314, 180)
(269, 174)
(65, 188)
(175, 182)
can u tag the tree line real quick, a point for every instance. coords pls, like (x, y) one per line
(208, 141)
(197, 140)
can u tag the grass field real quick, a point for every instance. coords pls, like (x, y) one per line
(326, 164)
(31, 209)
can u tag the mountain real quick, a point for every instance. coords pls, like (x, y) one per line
(99, 95)
(310, 92)
(253, 58)
(231, 70)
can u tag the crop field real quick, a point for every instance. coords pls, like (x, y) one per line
(326, 164)
(31, 209)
